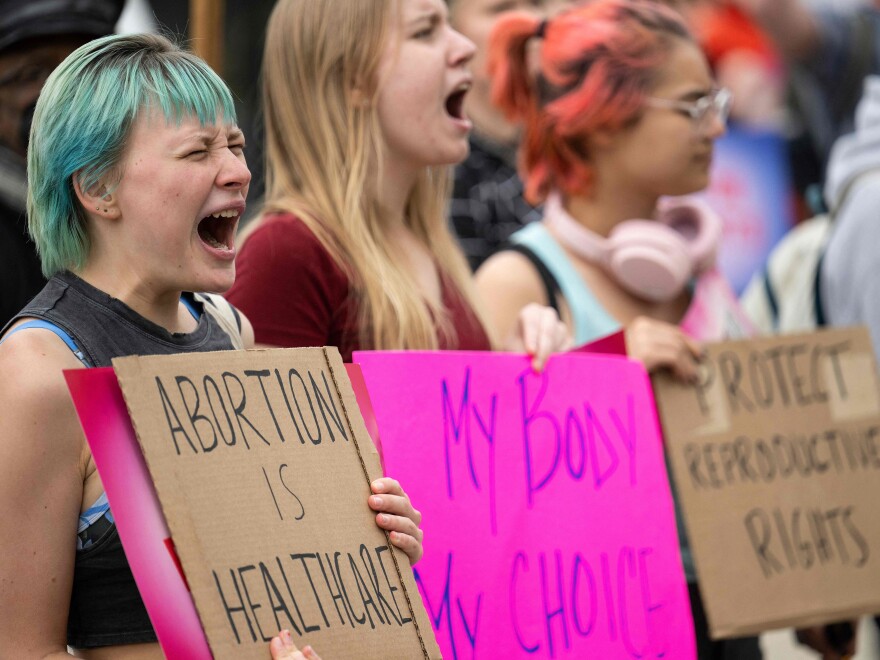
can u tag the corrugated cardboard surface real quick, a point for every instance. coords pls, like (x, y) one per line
(262, 464)
(776, 458)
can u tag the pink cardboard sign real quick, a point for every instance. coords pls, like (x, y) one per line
(548, 520)
(139, 520)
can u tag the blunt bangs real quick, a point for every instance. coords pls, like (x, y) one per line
(83, 119)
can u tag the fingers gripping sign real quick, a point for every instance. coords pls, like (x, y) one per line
(540, 333)
(660, 345)
(396, 515)
(282, 648)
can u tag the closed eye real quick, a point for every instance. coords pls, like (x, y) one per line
(424, 33)
(426, 26)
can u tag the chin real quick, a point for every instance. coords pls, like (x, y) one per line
(690, 186)
(454, 157)
(219, 281)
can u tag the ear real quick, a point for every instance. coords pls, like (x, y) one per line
(96, 200)
(602, 139)
(359, 93)
(359, 98)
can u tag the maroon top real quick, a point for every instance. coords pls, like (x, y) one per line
(294, 294)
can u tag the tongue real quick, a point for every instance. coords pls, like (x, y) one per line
(214, 243)
(206, 234)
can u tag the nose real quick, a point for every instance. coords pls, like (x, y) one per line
(462, 50)
(716, 126)
(234, 173)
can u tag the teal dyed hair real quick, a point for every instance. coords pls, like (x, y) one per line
(82, 122)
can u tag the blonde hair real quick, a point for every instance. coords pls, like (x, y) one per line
(324, 151)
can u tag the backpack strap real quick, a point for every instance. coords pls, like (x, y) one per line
(772, 303)
(817, 291)
(225, 314)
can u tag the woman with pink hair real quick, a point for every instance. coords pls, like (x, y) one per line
(619, 111)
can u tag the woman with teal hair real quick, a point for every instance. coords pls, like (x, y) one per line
(136, 182)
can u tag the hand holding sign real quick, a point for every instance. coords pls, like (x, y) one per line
(539, 332)
(283, 648)
(658, 344)
(397, 516)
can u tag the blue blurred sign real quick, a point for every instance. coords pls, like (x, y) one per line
(751, 190)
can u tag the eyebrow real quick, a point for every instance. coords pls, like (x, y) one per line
(431, 14)
(206, 136)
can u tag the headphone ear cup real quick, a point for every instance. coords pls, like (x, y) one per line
(649, 259)
(698, 224)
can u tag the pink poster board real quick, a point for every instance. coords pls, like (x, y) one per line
(613, 344)
(136, 510)
(548, 520)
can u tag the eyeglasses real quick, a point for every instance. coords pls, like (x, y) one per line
(715, 104)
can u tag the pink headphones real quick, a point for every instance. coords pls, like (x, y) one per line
(652, 259)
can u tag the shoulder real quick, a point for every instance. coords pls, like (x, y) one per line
(34, 391)
(274, 227)
(508, 272)
(285, 275)
(34, 356)
(283, 241)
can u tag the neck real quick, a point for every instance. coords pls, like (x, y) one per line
(395, 187)
(602, 210)
(139, 293)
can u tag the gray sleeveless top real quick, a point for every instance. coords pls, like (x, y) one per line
(105, 606)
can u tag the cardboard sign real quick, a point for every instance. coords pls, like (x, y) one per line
(549, 528)
(776, 458)
(262, 465)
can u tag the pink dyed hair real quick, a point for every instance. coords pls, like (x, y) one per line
(598, 62)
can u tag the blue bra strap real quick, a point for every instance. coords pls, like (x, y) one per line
(190, 307)
(48, 325)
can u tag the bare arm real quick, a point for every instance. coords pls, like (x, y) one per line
(507, 282)
(515, 300)
(43, 459)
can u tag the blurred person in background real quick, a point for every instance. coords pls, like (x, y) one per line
(35, 36)
(487, 203)
(848, 280)
(829, 49)
(743, 58)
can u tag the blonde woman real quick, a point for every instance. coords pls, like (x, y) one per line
(363, 103)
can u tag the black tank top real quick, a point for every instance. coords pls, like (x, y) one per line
(105, 606)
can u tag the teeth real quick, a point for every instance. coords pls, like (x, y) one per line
(214, 243)
(227, 213)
